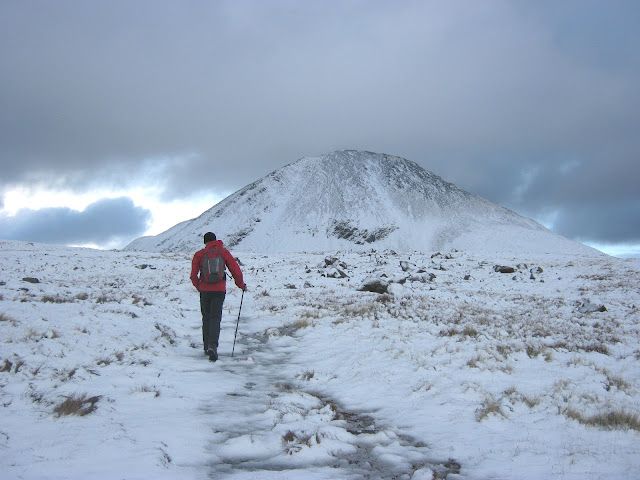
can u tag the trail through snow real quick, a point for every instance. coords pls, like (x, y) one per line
(271, 427)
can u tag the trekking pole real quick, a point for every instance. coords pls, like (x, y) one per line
(237, 323)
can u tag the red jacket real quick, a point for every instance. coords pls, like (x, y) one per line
(230, 263)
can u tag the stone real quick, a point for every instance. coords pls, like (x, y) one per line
(334, 272)
(589, 307)
(405, 266)
(503, 269)
(375, 285)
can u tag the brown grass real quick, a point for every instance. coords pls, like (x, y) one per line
(55, 299)
(308, 375)
(6, 366)
(489, 406)
(612, 420)
(595, 347)
(166, 333)
(147, 389)
(79, 405)
(469, 331)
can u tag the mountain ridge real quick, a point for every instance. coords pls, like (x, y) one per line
(356, 200)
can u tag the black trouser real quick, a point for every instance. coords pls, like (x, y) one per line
(211, 308)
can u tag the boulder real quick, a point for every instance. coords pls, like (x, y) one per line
(589, 307)
(335, 272)
(422, 277)
(503, 269)
(375, 285)
(405, 266)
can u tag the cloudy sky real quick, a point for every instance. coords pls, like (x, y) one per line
(122, 118)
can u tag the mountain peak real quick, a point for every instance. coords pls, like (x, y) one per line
(357, 200)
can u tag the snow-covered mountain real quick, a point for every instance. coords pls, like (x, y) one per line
(355, 200)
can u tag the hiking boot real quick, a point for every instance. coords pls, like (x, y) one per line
(213, 354)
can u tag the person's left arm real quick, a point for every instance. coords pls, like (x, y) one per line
(234, 268)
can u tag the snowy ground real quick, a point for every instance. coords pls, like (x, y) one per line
(470, 374)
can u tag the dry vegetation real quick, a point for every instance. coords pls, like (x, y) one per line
(611, 420)
(79, 405)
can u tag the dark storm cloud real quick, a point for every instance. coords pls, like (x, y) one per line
(101, 222)
(531, 104)
(600, 223)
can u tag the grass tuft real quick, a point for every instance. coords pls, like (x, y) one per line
(6, 366)
(488, 407)
(55, 299)
(595, 347)
(6, 318)
(79, 405)
(612, 420)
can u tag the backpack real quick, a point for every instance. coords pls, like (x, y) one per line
(212, 266)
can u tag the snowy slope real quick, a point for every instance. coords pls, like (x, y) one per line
(352, 200)
(459, 372)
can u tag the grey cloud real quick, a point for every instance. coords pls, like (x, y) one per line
(211, 95)
(599, 223)
(101, 222)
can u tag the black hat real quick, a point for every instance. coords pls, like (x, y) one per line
(209, 237)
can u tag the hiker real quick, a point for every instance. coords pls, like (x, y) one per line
(209, 277)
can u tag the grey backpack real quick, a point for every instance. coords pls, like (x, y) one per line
(212, 266)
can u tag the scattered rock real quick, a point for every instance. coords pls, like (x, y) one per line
(503, 269)
(328, 261)
(405, 266)
(307, 285)
(589, 307)
(2, 284)
(537, 270)
(145, 265)
(334, 261)
(467, 277)
(522, 266)
(436, 255)
(290, 286)
(375, 285)
(532, 277)
(423, 278)
(31, 280)
(335, 272)
(360, 236)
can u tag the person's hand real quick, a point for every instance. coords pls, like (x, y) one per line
(244, 287)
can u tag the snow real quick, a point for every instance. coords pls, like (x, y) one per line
(354, 200)
(497, 376)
